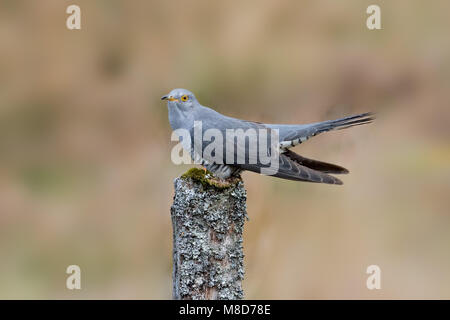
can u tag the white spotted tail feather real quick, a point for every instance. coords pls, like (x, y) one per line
(295, 167)
(292, 135)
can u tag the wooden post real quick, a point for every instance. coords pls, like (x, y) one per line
(208, 220)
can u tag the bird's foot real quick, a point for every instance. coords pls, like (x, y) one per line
(208, 178)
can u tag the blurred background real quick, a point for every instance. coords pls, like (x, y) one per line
(85, 170)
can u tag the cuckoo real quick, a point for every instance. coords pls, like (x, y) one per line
(186, 113)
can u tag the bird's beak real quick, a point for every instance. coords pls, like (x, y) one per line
(170, 98)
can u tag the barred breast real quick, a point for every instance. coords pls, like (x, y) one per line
(220, 170)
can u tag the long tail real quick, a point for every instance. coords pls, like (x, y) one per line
(294, 135)
(345, 123)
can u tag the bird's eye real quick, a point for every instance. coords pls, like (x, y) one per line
(184, 98)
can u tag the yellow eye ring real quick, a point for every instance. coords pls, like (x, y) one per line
(184, 98)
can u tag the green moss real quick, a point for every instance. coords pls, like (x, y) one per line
(207, 179)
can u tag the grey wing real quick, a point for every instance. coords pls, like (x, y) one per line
(291, 170)
(317, 165)
(288, 166)
(239, 139)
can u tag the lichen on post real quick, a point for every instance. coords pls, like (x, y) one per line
(208, 219)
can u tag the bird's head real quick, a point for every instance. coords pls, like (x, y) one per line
(181, 98)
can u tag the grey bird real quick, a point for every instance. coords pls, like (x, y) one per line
(184, 109)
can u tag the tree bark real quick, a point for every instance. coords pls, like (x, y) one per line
(208, 220)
